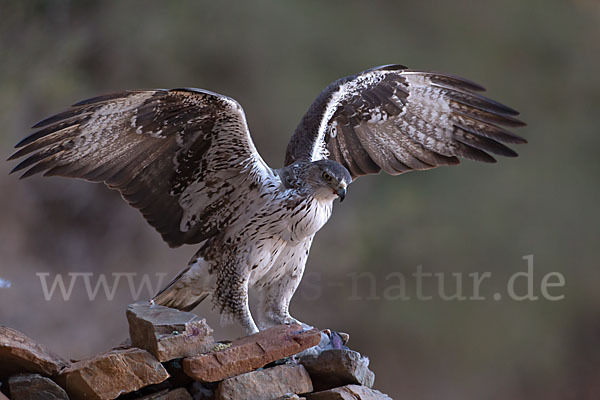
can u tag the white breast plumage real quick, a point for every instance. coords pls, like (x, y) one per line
(312, 216)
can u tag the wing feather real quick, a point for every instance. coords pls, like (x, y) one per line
(183, 157)
(397, 119)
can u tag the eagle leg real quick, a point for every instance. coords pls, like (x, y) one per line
(274, 301)
(231, 297)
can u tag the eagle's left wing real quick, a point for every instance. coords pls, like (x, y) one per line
(183, 157)
(397, 119)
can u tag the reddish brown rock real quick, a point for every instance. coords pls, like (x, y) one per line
(175, 394)
(168, 333)
(34, 387)
(338, 367)
(251, 352)
(266, 384)
(19, 354)
(112, 374)
(349, 392)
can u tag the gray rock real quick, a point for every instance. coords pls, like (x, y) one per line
(168, 333)
(266, 384)
(349, 392)
(338, 367)
(337, 339)
(329, 340)
(34, 387)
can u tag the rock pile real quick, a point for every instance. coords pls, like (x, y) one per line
(171, 355)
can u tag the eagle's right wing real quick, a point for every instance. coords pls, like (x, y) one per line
(395, 119)
(183, 157)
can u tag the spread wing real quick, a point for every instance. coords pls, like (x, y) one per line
(397, 119)
(183, 157)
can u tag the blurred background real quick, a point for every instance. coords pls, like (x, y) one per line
(540, 57)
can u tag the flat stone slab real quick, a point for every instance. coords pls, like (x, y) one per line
(34, 387)
(19, 354)
(251, 352)
(338, 367)
(168, 333)
(349, 392)
(266, 384)
(109, 375)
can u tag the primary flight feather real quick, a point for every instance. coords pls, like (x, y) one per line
(185, 159)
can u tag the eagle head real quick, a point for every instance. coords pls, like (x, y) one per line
(328, 179)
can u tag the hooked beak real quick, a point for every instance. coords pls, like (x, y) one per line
(341, 192)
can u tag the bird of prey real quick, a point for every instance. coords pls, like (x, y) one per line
(185, 159)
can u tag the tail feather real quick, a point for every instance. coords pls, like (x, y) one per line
(173, 298)
(186, 290)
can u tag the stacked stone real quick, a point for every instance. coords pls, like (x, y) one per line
(171, 355)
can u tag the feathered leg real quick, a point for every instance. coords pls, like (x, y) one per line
(276, 289)
(231, 295)
(274, 302)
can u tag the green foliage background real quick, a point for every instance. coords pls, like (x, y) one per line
(540, 57)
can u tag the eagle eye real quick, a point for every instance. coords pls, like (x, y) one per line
(326, 176)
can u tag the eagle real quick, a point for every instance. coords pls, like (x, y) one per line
(185, 159)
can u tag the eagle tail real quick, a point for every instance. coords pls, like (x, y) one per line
(189, 288)
(171, 298)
